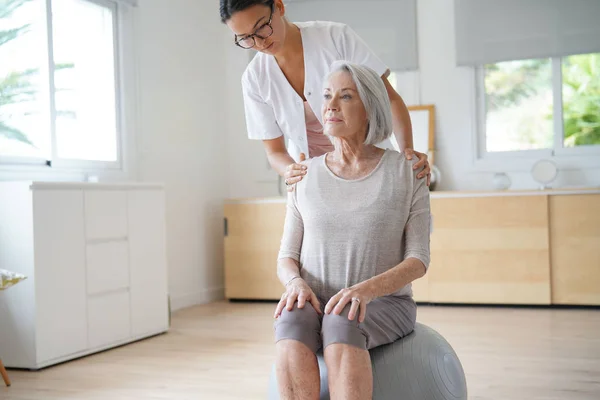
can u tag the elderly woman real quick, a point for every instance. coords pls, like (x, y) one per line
(356, 235)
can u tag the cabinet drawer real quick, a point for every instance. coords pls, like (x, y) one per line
(107, 266)
(105, 214)
(108, 318)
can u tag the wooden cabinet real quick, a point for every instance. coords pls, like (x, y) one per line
(575, 244)
(525, 248)
(491, 250)
(252, 239)
(95, 259)
(253, 235)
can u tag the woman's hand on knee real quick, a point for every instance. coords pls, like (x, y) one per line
(297, 290)
(357, 298)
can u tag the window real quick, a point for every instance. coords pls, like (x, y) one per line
(59, 82)
(541, 104)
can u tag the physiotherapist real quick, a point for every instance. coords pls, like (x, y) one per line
(282, 85)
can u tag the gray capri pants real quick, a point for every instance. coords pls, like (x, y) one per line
(388, 318)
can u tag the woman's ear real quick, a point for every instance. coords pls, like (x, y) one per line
(280, 6)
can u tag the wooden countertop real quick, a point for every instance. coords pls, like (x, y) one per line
(451, 194)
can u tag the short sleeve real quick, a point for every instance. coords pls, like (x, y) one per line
(418, 226)
(260, 118)
(355, 50)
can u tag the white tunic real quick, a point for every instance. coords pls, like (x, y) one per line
(272, 106)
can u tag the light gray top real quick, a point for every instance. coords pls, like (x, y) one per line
(343, 232)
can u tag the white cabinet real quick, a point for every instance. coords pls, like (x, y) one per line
(59, 270)
(105, 214)
(107, 266)
(95, 259)
(147, 276)
(108, 319)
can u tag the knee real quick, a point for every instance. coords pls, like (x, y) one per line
(300, 324)
(305, 317)
(339, 329)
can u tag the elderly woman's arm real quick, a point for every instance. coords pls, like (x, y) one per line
(288, 259)
(390, 281)
(414, 265)
(416, 254)
(288, 262)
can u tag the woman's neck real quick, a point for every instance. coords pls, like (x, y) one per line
(292, 46)
(352, 159)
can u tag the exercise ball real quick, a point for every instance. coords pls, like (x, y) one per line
(420, 366)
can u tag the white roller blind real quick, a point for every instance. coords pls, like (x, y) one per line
(489, 31)
(389, 27)
(131, 3)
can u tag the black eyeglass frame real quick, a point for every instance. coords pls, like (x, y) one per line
(253, 35)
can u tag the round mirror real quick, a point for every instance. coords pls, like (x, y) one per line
(544, 172)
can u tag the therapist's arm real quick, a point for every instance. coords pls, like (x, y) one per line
(403, 131)
(401, 117)
(282, 162)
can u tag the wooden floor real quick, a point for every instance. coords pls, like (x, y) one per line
(225, 351)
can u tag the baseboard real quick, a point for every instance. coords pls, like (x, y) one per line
(201, 297)
(74, 356)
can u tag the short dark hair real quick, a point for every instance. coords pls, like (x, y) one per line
(229, 7)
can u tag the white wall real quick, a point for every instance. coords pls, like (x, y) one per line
(451, 89)
(249, 172)
(181, 136)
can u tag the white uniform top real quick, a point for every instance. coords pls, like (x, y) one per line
(272, 106)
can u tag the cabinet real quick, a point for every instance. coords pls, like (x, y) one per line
(95, 257)
(491, 250)
(251, 246)
(575, 241)
(253, 235)
(528, 248)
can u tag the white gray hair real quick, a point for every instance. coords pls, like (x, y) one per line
(374, 96)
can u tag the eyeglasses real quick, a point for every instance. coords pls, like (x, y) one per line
(248, 42)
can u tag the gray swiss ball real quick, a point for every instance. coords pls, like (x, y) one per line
(420, 366)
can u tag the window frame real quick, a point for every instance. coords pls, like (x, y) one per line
(12, 167)
(579, 157)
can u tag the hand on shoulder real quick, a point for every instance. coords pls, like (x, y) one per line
(295, 172)
(422, 163)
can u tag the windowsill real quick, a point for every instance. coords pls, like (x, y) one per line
(523, 162)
